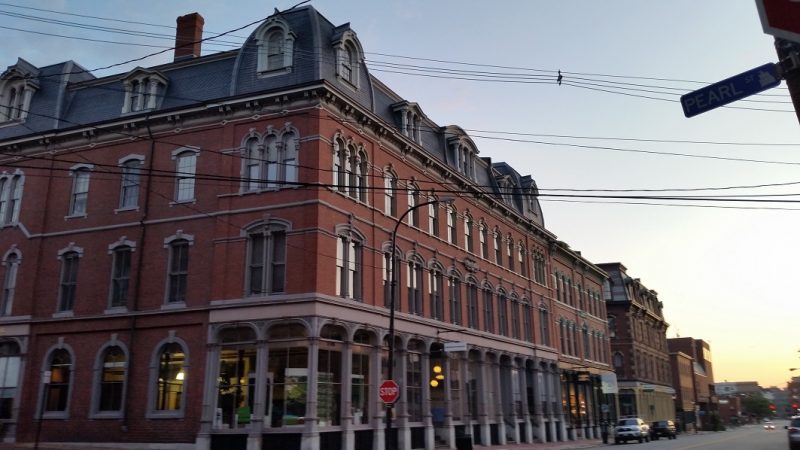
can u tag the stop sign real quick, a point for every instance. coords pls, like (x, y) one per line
(389, 392)
(780, 18)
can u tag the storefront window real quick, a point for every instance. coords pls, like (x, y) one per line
(414, 381)
(360, 388)
(455, 388)
(237, 377)
(9, 377)
(329, 376)
(287, 380)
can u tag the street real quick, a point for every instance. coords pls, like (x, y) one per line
(747, 437)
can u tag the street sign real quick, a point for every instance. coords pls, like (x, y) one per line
(734, 88)
(455, 346)
(389, 392)
(780, 18)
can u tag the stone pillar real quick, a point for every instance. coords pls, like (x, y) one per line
(526, 415)
(377, 408)
(427, 417)
(483, 401)
(346, 408)
(498, 402)
(310, 438)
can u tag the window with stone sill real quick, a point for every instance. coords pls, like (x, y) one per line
(15, 98)
(143, 91)
(10, 197)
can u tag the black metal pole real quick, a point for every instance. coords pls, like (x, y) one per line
(390, 442)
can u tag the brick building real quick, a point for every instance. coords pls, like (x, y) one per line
(704, 398)
(638, 333)
(205, 246)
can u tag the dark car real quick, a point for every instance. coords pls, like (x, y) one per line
(794, 433)
(663, 428)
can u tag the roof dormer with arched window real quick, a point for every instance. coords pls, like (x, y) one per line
(275, 42)
(17, 86)
(144, 90)
(349, 57)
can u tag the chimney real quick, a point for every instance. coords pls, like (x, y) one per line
(188, 36)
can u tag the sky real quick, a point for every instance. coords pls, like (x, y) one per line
(723, 270)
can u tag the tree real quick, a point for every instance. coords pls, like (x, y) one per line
(756, 405)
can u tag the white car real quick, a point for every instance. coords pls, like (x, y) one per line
(768, 425)
(631, 429)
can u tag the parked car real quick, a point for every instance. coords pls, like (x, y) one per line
(663, 428)
(769, 425)
(631, 429)
(794, 432)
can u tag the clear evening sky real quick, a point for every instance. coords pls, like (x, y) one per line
(725, 271)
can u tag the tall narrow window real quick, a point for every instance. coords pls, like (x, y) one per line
(178, 270)
(185, 166)
(454, 288)
(502, 315)
(415, 287)
(170, 378)
(435, 279)
(468, 244)
(112, 380)
(586, 347)
(275, 50)
(483, 237)
(498, 248)
(451, 225)
(271, 175)
(340, 162)
(526, 322)
(120, 276)
(69, 281)
(488, 310)
(521, 260)
(390, 194)
(267, 261)
(10, 197)
(236, 380)
(9, 377)
(57, 395)
(348, 64)
(129, 193)
(544, 330)
(433, 217)
(253, 165)
(472, 305)
(80, 191)
(348, 267)
(9, 284)
(289, 158)
(510, 254)
(413, 201)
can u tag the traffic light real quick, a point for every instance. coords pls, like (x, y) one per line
(437, 376)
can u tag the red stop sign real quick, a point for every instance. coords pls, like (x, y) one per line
(389, 392)
(780, 18)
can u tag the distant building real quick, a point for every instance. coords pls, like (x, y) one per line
(638, 346)
(705, 399)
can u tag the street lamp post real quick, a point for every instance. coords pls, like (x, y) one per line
(392, 286)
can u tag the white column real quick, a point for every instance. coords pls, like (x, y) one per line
(348, 436)
(310, 438)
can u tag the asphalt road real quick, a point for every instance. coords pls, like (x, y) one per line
(747, 437)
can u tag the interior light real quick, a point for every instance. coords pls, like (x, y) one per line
(180, 376)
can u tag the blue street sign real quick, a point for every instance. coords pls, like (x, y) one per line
(726, 91)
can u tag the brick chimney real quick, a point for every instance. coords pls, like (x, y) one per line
(188, 36)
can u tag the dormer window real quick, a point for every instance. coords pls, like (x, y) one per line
(349, 56)
(17, 87)
(410, 120)
(275, 47)
(143, 91)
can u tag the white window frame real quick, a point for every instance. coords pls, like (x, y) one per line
(186, 177)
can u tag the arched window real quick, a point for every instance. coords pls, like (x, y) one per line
(120, 275)
(177, 276)
(288, 376)
(472, 304)
(58, 390)
(452, 220)
(544, 326)
(112, 380)
(185, 167)
(80, 190)
(454, 290)
(498, 247)
(502, 314)
(390, 193)
(488, 309)
(414, 285)
(289, 157)
(483, 239)
(275, 47)
(270, 169)
(9, 283)
(129, 191)
(329, 378)
(69, 280)
(171, 378)
(253, 164)
(413, 201)
(469, 245)
(435, 288)
(586, 345)
(433, 215)
(619, 361)
(612, 326)
(10, 198)
(266, 267)
(348, 265)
